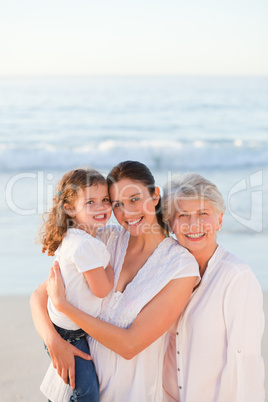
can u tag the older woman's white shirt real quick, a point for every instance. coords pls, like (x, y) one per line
(218, 337)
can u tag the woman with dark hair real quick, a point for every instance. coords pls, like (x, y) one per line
(153, 274)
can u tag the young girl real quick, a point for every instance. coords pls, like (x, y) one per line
(80, 207)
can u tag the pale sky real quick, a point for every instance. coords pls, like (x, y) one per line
(83, 37)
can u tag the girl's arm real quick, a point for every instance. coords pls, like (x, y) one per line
(100, 280)
(154, 320)
(61, 352)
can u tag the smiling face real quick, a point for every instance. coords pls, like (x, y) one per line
(134, 206)
(195, 225)
(92, 208)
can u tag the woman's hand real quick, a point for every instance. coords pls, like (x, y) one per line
(62, 354)
(55, 287)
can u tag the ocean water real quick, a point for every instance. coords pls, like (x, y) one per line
(217, 126)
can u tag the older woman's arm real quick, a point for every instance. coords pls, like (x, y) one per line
(243, 375)
(62, 353)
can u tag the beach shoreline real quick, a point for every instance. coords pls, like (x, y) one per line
(24, 360)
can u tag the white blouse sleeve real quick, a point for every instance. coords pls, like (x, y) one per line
(187, 266)
(91, 254)
(243, 376)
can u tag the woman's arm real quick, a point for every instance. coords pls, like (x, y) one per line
(153, 321)
(62, 353)
(243, 374)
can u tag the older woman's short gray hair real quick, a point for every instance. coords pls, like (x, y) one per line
(190, 186)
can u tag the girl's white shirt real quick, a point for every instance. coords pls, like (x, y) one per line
(79, 252)
(214, 354)
(138, 379)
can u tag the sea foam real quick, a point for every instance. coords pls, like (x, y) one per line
(157, 154)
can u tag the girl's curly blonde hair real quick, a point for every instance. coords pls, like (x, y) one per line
(58, 221)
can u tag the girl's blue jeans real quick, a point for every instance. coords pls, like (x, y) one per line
(86, 380)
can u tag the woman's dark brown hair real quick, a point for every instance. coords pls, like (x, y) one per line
(138, 172)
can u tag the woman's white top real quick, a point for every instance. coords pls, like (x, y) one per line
(78, 252)
(138, 379)
(214, 354)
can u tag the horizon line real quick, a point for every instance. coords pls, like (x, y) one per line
(39, 75)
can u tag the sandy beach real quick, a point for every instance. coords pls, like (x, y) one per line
(23, 359)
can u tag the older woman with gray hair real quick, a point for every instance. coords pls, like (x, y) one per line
(214, 349)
